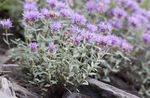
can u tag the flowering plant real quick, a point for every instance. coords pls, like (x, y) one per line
(64, 46)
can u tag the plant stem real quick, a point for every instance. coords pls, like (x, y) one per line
(7, 39)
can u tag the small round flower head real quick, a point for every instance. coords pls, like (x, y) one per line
(30, 6)
(142, 12)
(78, 19)
(52, 47)
(6, 23)
(88, 36)
(119, 13)
(74, 29)
(134, 6)
(77, 39)
(128, 4)
(61, 5)
(134, 21)
(52, 3)
(103, 5)
(91, 5)
(105, 27)
(116, 23)
(33, 46)
(91, 27)
(31, 16)
(114, 40)
(66, 12)
(148, 28)
(45, 13)
(56, 26)
(101, 40)
(143, 19)
(146, 37)
(126, 46)
(148, 14)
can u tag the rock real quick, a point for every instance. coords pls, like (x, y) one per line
(22, 92)
(76, 95)
(6, 89)
(117, 93)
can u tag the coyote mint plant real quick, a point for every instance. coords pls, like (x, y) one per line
(63, 46)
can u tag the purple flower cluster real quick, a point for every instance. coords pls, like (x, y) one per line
(134, 21)
(62, 5)
(66, 13)
(119, 13)
(52, 47)
(31, 13)
(33, 46)
(74, 29)
(52, 3)
(146, 37)
(129, 5)
(116, 23)
(105, 27)
(97, 5)
(91, 5)
(92, 27)
(56, 26)
(45, 13)
(30, 6)
(6, 23)
(78, 19)
(31, 16)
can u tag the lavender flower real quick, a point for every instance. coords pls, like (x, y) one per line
(78, 19)
(103, 5)
(31, 16)
(105, 27)
(128, 4)
(134, 21)
(91, 6)
(148, 28)
(66, 12)
(52, 47)
(119, 13)
(52, 3)
(101, 40)
(143, 19)
(77, 39)
(92, 28)
(146, 37)
(116, 23)
(126, 46)
(56, 26)
(6, 23)
(30, 6)
(88, 36)
(74, 29)
(45, 13)
(61, 5)
(33, 46)
(133, 6)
